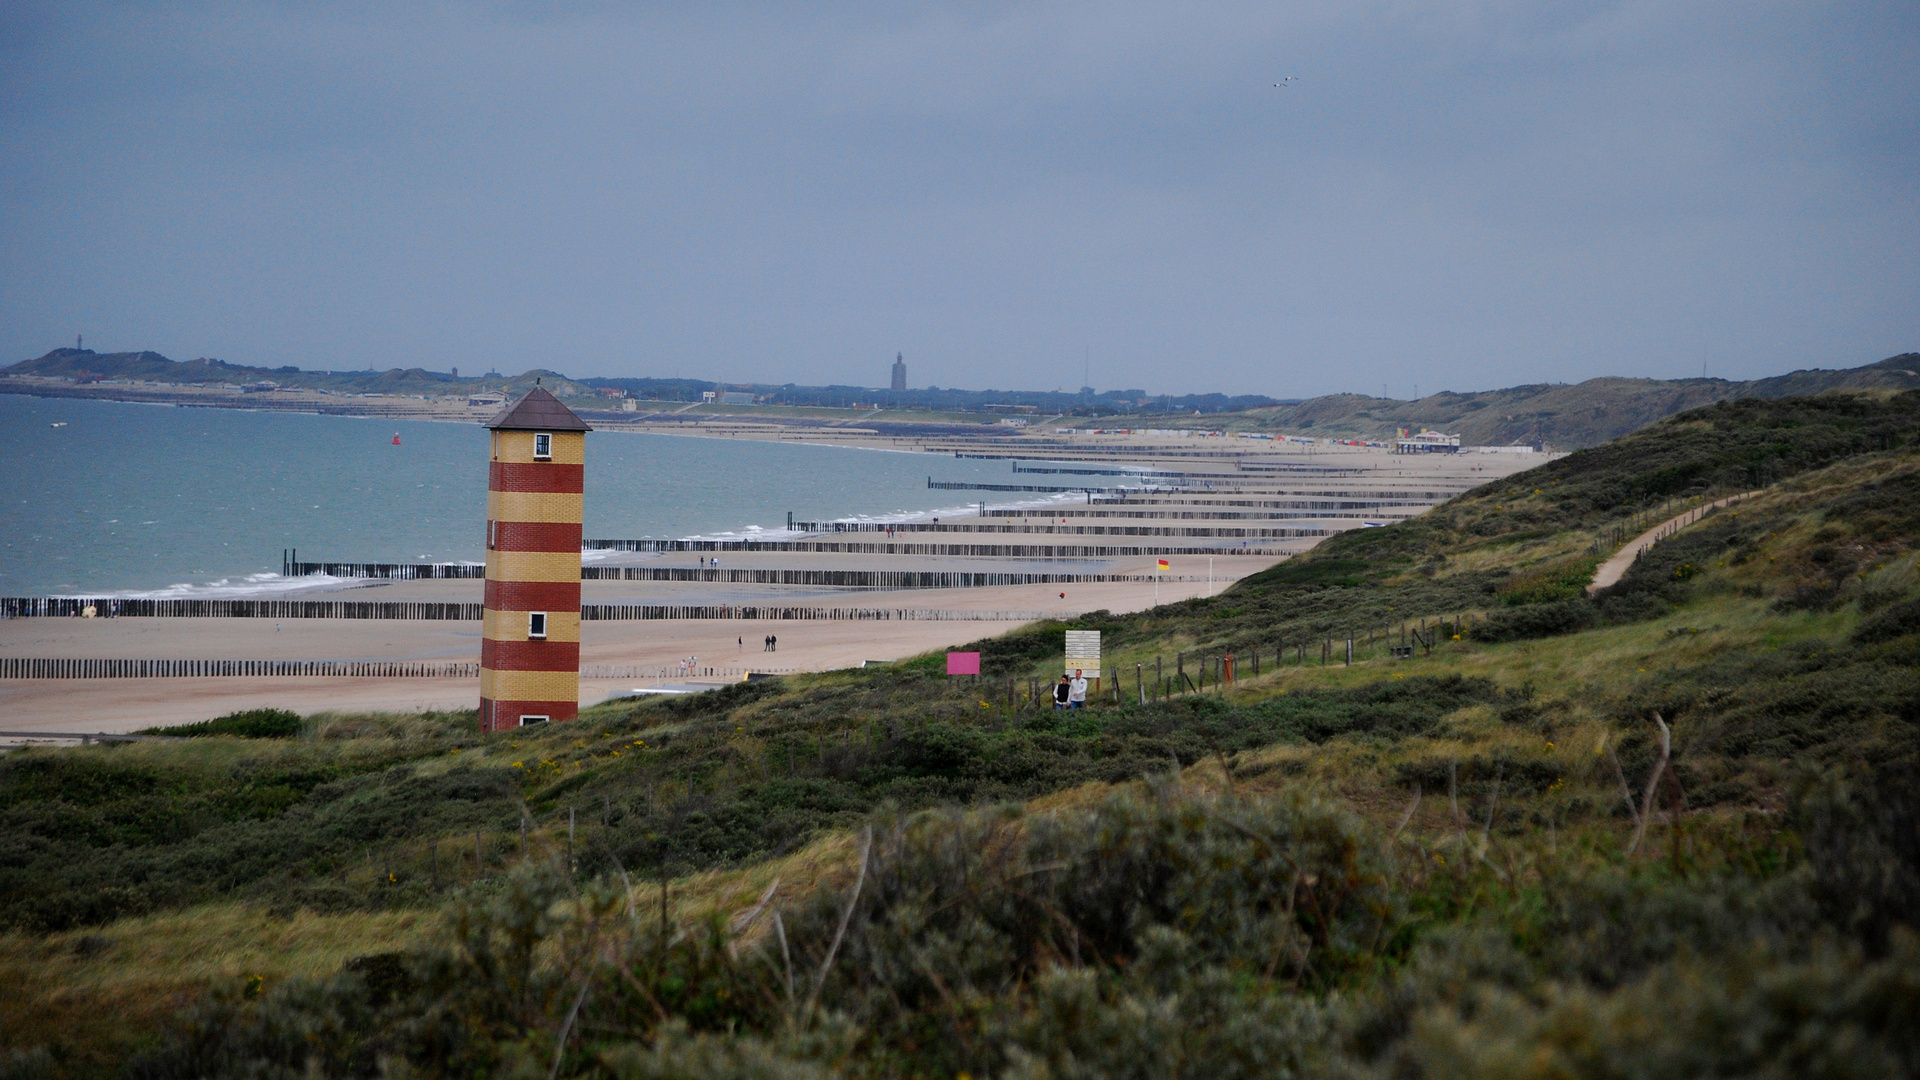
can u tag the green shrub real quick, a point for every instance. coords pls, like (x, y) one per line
(247, 724)
(1889, 623)
(1537, 621)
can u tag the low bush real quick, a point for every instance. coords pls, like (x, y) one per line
(248, 724)
(1537, 621)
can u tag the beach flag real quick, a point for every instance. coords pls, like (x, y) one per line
(1163, 566)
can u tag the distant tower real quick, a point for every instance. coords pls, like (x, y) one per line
(899, 371)
(78, 338)
(530, 639)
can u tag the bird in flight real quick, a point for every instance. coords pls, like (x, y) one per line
(1283, 82)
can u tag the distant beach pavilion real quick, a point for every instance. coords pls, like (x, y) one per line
(530, 637)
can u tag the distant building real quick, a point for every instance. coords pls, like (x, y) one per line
(1427, 442)
(737, 397)
(899, 371)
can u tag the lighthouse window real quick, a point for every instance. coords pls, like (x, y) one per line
(542, 446)
(525, 720)
(493, 533)
(536, 624)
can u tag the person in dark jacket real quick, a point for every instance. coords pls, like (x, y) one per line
(1062, 693)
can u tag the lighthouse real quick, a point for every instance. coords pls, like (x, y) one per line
(530, 639)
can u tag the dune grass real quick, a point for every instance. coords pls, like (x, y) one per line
(1501, 769)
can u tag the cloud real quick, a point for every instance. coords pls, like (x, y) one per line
(1459, 195)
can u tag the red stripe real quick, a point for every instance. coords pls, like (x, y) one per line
(536, 536)
(542, 476)
(506, 714)
(529, 655)
(533, 595)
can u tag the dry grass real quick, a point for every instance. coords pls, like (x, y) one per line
(107, 988)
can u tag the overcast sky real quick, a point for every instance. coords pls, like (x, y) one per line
(1459, 195)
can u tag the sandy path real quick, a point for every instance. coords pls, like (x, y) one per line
(1611, 571)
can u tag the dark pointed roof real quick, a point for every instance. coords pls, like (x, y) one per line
(537, 410)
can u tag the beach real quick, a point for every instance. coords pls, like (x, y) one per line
(1080, 523)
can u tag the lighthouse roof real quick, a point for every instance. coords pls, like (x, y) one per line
(537, 410)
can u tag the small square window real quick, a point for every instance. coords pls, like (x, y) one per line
(536, 624)
(525, 720)
(542, 446)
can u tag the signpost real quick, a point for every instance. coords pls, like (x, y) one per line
(1083, 654)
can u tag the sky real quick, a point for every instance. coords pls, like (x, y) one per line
(1451, 195)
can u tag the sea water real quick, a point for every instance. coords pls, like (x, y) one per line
(134, 499)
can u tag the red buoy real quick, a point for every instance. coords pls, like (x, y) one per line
(396, 438)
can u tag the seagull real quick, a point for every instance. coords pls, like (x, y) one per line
(1282, 84)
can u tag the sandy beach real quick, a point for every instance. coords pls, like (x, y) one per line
(1230, 507)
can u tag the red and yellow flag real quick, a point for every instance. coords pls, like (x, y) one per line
(1163, 566)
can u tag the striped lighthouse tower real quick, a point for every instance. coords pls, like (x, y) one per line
(530, 640)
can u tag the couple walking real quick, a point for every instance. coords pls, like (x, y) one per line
(770, 643)
(1070, 693)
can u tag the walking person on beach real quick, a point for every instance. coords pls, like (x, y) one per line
(1077, 693)
(775, 639)
(1062, 693)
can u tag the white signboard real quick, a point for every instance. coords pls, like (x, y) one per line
(1083, 653)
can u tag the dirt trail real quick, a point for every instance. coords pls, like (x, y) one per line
(1611, 571)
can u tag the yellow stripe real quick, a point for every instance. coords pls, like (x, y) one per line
(569, 447)
(534, 506)
(533, 566)
(512, 625)
(529, 685)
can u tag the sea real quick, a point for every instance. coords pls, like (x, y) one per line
(124, 499)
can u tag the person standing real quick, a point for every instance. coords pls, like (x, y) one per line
(1062, 693)
(1077, 692)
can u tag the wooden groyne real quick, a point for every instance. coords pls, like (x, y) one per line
(854, 547)
(20, 607)
(853, 579)
(70, 607)
(1043, 489)
(610, 612)
(20, 667)
(395, 571)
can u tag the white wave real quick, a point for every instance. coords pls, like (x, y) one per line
(253, 585)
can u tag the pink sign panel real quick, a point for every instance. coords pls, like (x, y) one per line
(963, 663)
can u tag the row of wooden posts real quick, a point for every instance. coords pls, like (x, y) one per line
(19, 607)
(1219, 671)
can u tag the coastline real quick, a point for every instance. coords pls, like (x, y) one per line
(1087, 533)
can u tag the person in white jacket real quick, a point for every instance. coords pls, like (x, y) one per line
(1077, 694)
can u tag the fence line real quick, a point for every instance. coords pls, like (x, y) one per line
(860, 579)
(57, 607)
(1035, 551)
(107, 607)
(18, 667)
(396, 571)
(622, 612)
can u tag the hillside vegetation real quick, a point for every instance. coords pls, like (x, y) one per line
(1563, 416)
(1669, 830)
